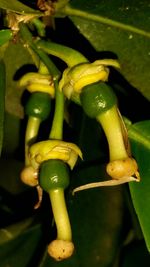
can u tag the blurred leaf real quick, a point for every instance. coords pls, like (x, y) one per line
(5, 36)
(11, 141)
(18, 7)
(19, 251)
(2, 98)
(120, 29)
(12, 231)
(16, 57)
(139, 134)
(10, 176)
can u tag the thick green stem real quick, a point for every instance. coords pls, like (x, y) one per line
(57, 125)
(60, 214)
(111, 125)
(32, 129)
(70, 56)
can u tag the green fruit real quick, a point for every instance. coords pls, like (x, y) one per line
(97, 98)
(38, 105)
(54, 174)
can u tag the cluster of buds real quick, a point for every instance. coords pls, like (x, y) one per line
(46, 162)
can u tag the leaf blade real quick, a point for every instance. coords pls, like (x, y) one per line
(18, 7)
(5, 36)
(125, 33)
(116, 12)
(140, 191)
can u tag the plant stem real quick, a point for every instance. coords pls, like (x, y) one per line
(57, 197)
(28, 39)
(31, 134)
(33, 123)
(39, 26)
(57, 125)
(60, 214)
(112, 127)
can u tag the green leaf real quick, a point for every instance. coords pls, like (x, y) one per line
(11, 141)
(2, 98)
(18, 7)
(5, 36)
(120, 28)
(12, 231)
(15, 51)
(139, 134)
(10, 177)
(116, 13)
(19, 251)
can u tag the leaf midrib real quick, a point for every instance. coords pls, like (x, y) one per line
(69, 11)
(136, 135)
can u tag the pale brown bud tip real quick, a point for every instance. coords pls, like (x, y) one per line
(119, 169)
(29, 176)
(60, 249)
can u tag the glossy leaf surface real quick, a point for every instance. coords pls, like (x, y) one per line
(140, 139)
